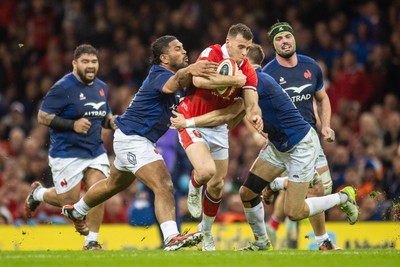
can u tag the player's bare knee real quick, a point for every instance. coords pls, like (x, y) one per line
(246, 194)
(294, 215)
(205, 173)
(163, 190)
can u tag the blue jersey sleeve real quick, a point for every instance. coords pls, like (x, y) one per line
(319, 76)
(54, 102)
(161, 80)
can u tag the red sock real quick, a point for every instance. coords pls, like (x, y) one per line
(274, 222)
(193, 180)
(210, 205)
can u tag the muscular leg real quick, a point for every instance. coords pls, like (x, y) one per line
(278, 206)
(204, 169)
(105, 189)
(318, 221)
(260, 174)
(211, 202)
(202, 162)
(216, 185)
(95, 216)
(155, 176)
(213, 194)
(295, 207)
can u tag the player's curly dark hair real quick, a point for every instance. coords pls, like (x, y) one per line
(159, 47)
(84, 49)
(242, 29)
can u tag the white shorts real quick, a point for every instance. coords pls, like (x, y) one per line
(68, 172)
(321, 159)
(216, 139)
(299, 162)
(133, 152)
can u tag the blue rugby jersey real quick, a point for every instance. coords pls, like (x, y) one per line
(282, 120)
(149, 112)
(300, 82)
(71, 99)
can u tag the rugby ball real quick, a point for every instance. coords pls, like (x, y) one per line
(226, 67)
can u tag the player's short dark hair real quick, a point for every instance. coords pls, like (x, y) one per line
(159, 47)
(242, 29)
(256, 54)
(85, 49)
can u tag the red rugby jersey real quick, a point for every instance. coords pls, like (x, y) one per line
(199, 101)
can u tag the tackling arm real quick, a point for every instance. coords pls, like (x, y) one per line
(231, 115)
(217, 81)
(253, 111)
(183, 77)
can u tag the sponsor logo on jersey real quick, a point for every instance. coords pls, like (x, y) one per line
(282, 80)
(184, 106)
(206, 52)
(96, 106)
(298, 98)
(82, 96)
(96, 112)
(298, 90)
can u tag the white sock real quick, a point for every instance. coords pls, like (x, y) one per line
(39, 194)
(92, 236)
(81, 207)
(206, 223)
(278, 184)
(169, 230)
(343, 198)
(320, 204)
(255, 217)
(321, 238)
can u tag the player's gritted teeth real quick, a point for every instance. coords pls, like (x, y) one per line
(90, 73)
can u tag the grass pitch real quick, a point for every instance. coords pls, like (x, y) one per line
(189, 258)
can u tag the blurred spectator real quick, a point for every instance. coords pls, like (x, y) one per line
(351, 83)
(115, 210)
(391, 182)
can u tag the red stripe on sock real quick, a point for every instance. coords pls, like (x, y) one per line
(194, 181)
(210, 205)
(274, 222)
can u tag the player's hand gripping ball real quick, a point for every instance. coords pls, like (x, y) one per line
(227, 67)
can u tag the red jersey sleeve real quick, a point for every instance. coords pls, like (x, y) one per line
(248, 70)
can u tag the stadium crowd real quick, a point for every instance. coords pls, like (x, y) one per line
(357, 44)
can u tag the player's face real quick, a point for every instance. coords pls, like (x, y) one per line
(284, 44)
(177, 56)
(86, 67)
(238, 48)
